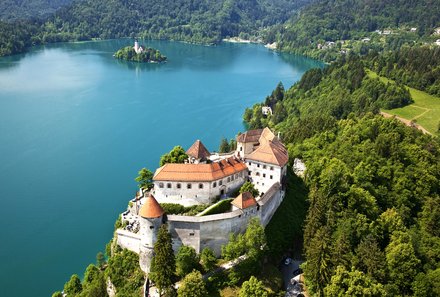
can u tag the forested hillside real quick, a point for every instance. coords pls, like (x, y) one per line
(374, 184)
(197, 21)
(418, 67)
(200, 21)
(324, 96)
(29, 9)
(341, 20)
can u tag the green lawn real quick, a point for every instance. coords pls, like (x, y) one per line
(425, 110)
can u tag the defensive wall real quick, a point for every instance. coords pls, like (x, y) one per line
(212, 230)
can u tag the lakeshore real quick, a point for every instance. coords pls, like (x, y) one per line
(83, 168)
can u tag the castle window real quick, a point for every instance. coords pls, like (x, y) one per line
(264, 174)
(271, 177)
(257, 174)
(169, 185)
(241, 148)
(236, 176)
(200, 186)
(232, 177)
(271, 167)
(179, 186)
(250, 163)
(151, 227)
(191, 234)
(188, 186)
(264, 166)
(229, 179)
(220, 182)
(214, 185)
(161, 185)
(258, 165)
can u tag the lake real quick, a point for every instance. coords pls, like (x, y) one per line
(76, 125)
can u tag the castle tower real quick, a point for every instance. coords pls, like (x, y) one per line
(151, 218)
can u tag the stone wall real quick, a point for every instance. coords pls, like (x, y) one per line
(213, 230)
(128, 240)
(210, 231)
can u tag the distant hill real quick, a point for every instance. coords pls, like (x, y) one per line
(11, 10)
(206, 21)
(333, 20)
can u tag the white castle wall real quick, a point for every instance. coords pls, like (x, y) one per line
(213, 231)
(207, 231)
(198, 192)
(264, 175)
(128, 240)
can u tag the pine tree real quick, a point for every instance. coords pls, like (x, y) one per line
(163, 266)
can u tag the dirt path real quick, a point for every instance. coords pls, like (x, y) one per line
(406, 122)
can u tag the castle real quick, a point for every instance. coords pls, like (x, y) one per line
(205, 178)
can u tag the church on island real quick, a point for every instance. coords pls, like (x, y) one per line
(208, 179)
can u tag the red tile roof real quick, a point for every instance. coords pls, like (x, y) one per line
(272, 152)
(199, 172)
(151, 208)
(244, 200)
(198, 151)
(250, 136)
(257, 135)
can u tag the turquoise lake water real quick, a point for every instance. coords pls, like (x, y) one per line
(76, 125)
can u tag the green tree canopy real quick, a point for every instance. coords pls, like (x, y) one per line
(252, 242)
(192, 286)
(253, 288)
(145, 178)
(186, 260)
(94, 283)
(249, 187)
(176, 155)
(73, 286)
(163, 266)
(208, 259)
(224, 146)
(353, 283)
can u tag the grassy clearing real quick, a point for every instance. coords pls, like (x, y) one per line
(425, 110)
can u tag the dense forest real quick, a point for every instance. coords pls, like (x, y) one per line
(342, 20)
(374, 191)
(199, 21)
(418, 67)
(11, 10)
(324, 96)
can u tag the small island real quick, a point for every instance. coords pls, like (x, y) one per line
(140, 53)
